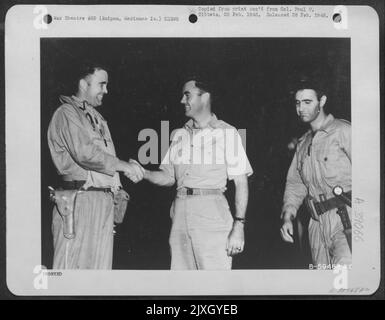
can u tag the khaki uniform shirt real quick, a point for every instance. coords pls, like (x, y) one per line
(81, 145)
(320, 163)
(206, 157)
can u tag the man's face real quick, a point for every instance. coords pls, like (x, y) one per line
(307, 104)
(192, 99)
(95, 87)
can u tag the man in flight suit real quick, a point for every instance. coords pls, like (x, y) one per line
(322, 161)
(202, 156)
(84, 155)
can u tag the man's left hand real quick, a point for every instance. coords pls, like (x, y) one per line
(235, 240)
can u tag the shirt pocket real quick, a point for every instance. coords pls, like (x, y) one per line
(328, 159)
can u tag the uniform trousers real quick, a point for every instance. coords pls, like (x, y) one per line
(327, 240)
(200, 228)
(92, 246)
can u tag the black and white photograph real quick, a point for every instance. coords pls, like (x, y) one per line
(192, 159)
(252, 86)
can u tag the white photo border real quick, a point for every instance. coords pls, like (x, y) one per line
(23, 141)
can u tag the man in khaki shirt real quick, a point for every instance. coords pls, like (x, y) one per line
(84, 155)
(321, 162)
(202, 156)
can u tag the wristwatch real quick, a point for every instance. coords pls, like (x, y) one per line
(242, 220)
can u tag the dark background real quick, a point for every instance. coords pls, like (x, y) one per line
(251, 80)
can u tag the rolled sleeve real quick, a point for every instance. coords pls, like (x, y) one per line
(237, 162)
(167, 164)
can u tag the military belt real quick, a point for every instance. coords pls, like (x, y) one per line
(78, 184)
(330, 204)
(198, 192)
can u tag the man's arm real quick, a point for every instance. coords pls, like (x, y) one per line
(165, 176)
(295, 193)
(241, 196)
(345, 140)
(131, 169)
(160, 178)
(236, 239)
(78, 143)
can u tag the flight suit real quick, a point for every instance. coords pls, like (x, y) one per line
(82, 150)
(322, 161)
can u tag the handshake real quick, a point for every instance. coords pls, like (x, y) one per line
(132, 170)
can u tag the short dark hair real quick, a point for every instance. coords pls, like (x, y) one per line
(82, 70)
(201, 83)
(88, 69)
(312, 83)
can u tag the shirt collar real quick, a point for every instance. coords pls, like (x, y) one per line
(82, 103)
(327, 123)
(212, 124)
(74, 100)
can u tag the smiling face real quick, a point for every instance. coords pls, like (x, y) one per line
(94, 86)
(194, 99)
(308, 105)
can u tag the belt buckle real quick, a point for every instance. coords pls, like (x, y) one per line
(189, 191)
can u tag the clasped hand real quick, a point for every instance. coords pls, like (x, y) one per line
(134, 171)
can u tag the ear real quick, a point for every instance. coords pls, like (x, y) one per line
(206, 97)
(322, 101)
(83, 85)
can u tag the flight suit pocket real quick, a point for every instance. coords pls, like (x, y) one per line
(329, 164)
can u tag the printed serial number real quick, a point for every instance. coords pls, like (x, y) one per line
(358, 226)
(171, 18)
(327, 266)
